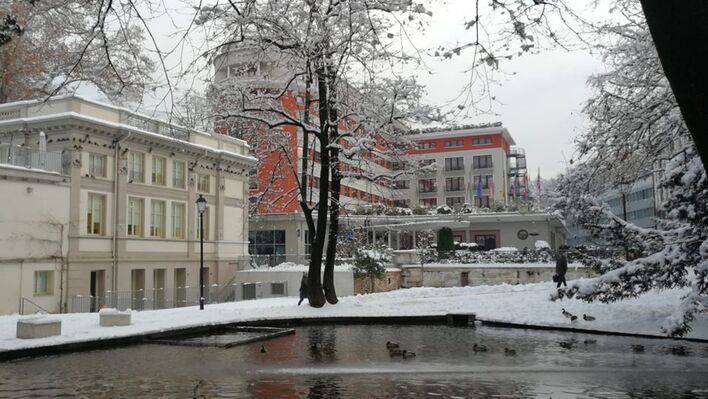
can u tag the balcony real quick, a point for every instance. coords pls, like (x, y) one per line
(32, 158)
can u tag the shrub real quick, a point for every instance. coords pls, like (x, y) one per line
(445, 240)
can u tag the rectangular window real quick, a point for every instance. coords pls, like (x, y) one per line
(399, 165)
(206, 224)
(135, 217)
(401, 184)
(44, 282)
(482, 161)
(253, 179)
(429, 202)
(178, 174)
(485, 181)
(482, 140)
(482, 202)
(451, 201)
(178, 220)
(136, 167)
(427, 163)
(158, 170)
(486, 241)
(203, 183)
(457, 163)
(427, 186)
(97, 165)
(427, 145)
(455, 143)
(269, 244)
(454, 184)
(157, 218)
(402, 203)
(309, 238)
(95, 215)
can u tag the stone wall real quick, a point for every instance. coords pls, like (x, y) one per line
(488, 275)
(391, 281)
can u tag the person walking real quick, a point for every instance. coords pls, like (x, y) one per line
(561, 270)
(303, 288)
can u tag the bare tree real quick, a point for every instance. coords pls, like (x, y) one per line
(49, 46)
(323, 69)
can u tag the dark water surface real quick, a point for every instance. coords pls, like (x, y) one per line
(352, 362)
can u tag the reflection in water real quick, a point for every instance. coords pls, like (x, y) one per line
(352, 362)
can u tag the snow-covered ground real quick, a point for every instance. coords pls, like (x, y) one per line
(526, 304)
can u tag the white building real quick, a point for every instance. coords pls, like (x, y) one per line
(123, 196)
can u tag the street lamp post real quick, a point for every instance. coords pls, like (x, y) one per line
(201, 207)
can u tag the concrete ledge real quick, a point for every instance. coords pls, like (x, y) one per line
(38, 327)
(112, 317)
(461, 319)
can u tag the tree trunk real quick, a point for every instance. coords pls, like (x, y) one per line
(304, 178)
(315, 295)
(680, 35)
(328, 283)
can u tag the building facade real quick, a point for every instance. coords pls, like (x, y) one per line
(132, 224)
(478, 166)
(635, 202)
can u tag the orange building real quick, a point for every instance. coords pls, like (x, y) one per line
(476, 166)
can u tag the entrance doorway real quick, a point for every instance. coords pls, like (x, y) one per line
(180, 287)
(464, 279)
(137, 288)
(98, 289)
(158, 285)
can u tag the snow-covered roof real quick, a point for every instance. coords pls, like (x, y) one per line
(443, 133)
(27, 103)
(126, 127)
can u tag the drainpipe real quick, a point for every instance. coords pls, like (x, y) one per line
(114, 244)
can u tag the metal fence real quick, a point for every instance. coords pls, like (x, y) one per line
(32, 158)
(275, 260)
(167, 298)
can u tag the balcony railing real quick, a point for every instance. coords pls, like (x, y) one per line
(32, 158)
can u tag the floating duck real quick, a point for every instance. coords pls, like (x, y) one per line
(588, 318)
(391, 345)
(573, 318)
(479, 348)
(566, 345)
(567, 313)
(263, 349)
(679, 350)
(638, 348)
(393, 352)
(407, 354)
(509, 352)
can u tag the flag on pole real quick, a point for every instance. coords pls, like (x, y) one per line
(538, 187)
(479, 187)
(491, 187)
(538, 183)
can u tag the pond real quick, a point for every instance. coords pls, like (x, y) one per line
(353, 362)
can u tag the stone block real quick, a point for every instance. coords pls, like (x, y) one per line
(112, 317)
(38, 327)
